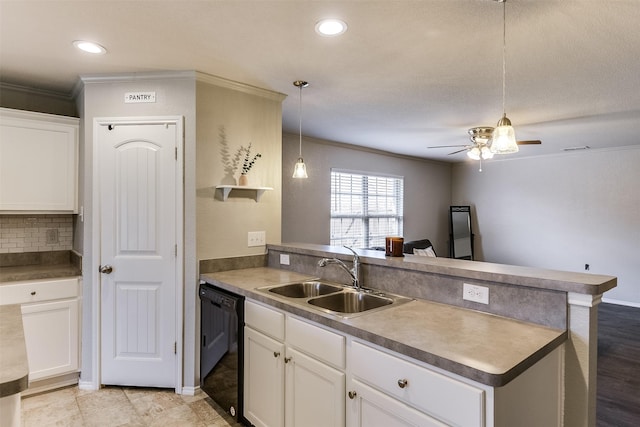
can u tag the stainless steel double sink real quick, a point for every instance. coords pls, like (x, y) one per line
(342, 300)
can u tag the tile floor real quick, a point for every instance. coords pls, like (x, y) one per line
(120, 407)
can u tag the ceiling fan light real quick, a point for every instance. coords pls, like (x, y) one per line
(474, 153)
(504, 139)
(486, 152)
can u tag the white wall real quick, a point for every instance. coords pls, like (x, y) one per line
(306, 202)
(559, 212)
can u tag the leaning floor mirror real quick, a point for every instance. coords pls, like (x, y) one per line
(460, 232)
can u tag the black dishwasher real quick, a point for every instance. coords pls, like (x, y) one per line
(221, 350)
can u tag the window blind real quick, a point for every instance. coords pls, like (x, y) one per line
(365, 208)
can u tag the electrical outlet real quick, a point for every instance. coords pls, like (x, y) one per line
(256, 238)
(284, 259)
(475, 293)
(52, 236)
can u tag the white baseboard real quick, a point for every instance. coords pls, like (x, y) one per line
(190, 391)
(88, 385)
(620, 302)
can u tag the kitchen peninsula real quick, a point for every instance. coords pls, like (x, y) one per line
(535, 339)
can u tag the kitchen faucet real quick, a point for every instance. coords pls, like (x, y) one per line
(353, 272)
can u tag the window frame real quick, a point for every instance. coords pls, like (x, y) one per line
(368, 241)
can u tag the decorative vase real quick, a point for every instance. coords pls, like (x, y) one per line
(243, 180)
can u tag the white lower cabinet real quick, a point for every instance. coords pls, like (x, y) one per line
(51, 321)
(51, 335)
(371, 408)
(298, 374)
(286, 383)
(263, 379)
(410, 392)
(314, 392)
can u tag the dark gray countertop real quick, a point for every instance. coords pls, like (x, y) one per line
(486, 348)
(565, 281)
(14, 370)
(38, 272)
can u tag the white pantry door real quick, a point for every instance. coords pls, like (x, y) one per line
(138, 241)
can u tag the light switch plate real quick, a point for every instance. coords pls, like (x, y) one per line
(256, 238)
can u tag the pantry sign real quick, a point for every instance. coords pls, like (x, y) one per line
(139, 97)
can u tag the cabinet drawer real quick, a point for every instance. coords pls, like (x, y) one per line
(450, 400)
(35, 291)
(264, 319)
(318, 342)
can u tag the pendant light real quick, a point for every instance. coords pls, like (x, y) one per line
(300, 169)
(504, 137)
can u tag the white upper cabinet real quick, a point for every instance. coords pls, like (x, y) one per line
(38, 162)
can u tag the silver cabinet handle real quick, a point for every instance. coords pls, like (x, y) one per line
(402, 383)
(352, 395)
(276, 354)
(106, 269)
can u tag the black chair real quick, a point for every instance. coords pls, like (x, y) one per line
(408, 247)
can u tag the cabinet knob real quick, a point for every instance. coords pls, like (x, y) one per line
(33, 292)
(276, 354)
(287, 359)
(402, 383)
(352, 395)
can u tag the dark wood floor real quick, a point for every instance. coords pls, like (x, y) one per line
(618, 366)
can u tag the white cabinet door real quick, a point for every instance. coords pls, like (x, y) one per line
(314, 392)
(38, 162)
(263, 379)
(370, 408)
(51, 336)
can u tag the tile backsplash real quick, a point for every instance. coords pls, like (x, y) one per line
(36, 233)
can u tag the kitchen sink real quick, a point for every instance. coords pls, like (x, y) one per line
(305, 289)
(351, 302)
(342, 300)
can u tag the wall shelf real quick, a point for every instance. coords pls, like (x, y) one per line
(226, 190)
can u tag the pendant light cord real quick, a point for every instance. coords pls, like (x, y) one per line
(504, 56)
(300, 121)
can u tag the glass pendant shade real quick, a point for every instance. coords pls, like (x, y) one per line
(474, 153)
(504, 138)
(300, 169)
(486, 153)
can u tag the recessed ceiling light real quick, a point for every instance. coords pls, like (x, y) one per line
(89, 47)
(331, 27)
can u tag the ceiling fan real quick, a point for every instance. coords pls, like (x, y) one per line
(481, 140)
(480, 147)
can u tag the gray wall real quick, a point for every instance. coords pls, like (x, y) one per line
(306, 202)
(103, 97)
(559, 212)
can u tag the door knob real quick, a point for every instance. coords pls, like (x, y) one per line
(106, 269)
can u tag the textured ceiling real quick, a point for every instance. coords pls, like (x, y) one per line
(406, 75)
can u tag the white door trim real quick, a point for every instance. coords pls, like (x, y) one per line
(178, 121)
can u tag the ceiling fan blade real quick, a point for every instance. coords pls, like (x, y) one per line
(460, 151)
(447, 146)
(532, 142)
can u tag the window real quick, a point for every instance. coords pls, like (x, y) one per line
(365, 208)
